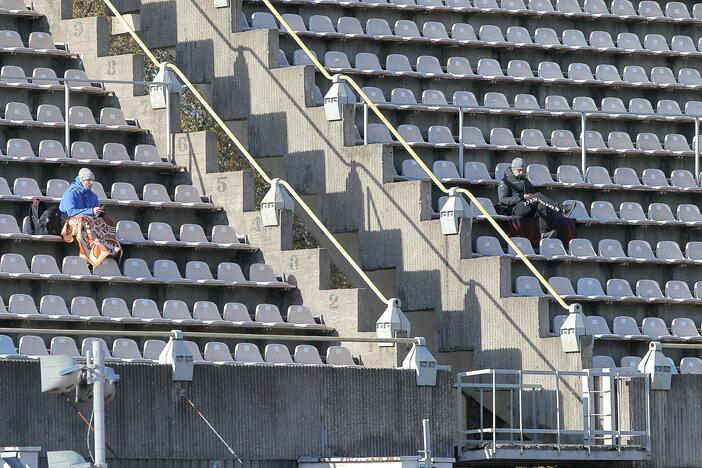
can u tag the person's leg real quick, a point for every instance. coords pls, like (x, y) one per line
(522, 209)
(543, 213)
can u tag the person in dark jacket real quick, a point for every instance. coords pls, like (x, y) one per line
(79, 199)
(518, 195)
(96, 237)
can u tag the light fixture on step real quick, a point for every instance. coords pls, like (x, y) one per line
(276, 200)
(338, 95)
(393, 323)
(453, 212)
(572, 329)
(168, 83)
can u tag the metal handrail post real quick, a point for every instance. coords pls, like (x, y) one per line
(461, 149)
(494, 413)
(583, 149)
(365, 123)
(697, 149)
(618, 408)
(647, 386)
(66, 108)
(482, 414)
(169, 143)
(459, 418)
(558, 412)
(521, 416)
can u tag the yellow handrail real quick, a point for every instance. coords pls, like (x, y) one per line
(414, 155)
(248, 156)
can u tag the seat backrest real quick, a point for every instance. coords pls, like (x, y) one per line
(277, 354)
(196, 270)
(488, 245)
(654, 178)
(114, 152)
(581, 248)
(551, 247)
(619, 288)
(206, 310)
(603, 211)
(561, 284)
(236, 312)
(306, 354)
(688, 365)
(569, 174)
(640, 249)
(684, 328)
(429, 64)
(693, 250)
(518, 35)
(22, 304)
(603, 362)
(598, 175)
(187, 194)
(607, 73)
(522, 244)
(625, 326)
(432, 97)
(580, 72)
(547, 37)
(463, 32)
(248, 353)
(440, 134)
(597, 325)
(584, 104)
(660, 212)
(676, 289)
(166, 270)
(613, 105)
(528, 286)
(601, 39)
(87, 346)
(589, 287)
(610, 248)
(339, 356)
(64, 345)
(216, 351)
(145, 309)
(125, 348)
(663, 76)
(30, 345)
(495, 101)
(489, 68)
(538, 174)
(268, 313)
(160, 232)
(526, 102)
(519, 69)
(84, 307)
(51, 149)
(648, 289)
(655, 327)
(626, 176)
(44, 264)
(13, 263)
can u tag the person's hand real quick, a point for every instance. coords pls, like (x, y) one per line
(528, 195)
(98, 210)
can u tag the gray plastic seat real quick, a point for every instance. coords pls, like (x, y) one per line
(675, 142)
(407, 29)
(410, 133)
(539, 175)
(640, 250)
(552, 248)
(350, 26)
(477, 172)
(663, 76)
(546, 37)
(402, 96)
(594, 140)
(64, 345)
(541, 5)
(683, 44)
(655, 328)
(596, 7)
(490, 68)
(611, 249)
(650, 9)
(607, 73)
(590, 288)
(488, 246)
(603, 362)
(459, 66)
(683, 179)
(689, 76)
(648, 289)
(490, 34)
(473, 136)
(648, 142)
(584, 104)
(463, 32)
(693, 108)
(263, 20)
(689, 213)
(669, 250)
(568, 6)
(654, 178)
(619, 288)
(367, 62)
(623, 8)
(598, 176)
(519, 69)
(629, 41)
(495, 101)
(336, 60)
(429, 65)
(661, 213)
(656, 43)
(562, 285)
(601, 40)
(685, 328)
(556, 103)
(432, 97)
(603, 211)
(690, 365)
(528, 286)
(626, 177)
(526, 102)
(563, 139)
(398, 63)
(677, 10)
(550, 71)
(570, 175)
(378, 27)
(533, 138)
(598, 327)
(502, 137)
(574, 38)
(635, 74)
(626, 327)
(632, 212)
(518, 35)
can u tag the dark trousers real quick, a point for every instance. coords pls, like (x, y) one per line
(542, 212)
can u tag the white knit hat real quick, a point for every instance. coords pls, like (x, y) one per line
(86, 174)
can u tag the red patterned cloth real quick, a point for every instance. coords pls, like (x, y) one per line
(96, 237)
(520, 226)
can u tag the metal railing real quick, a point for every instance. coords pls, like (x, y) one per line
(602, 409)
(252, 161)
(214, 335)
(414, 155)
(581, 115)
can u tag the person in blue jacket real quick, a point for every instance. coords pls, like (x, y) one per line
(79, 199)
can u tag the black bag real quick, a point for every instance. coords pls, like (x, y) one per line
(45, 220)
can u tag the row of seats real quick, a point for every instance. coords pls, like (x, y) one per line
(135, 269)
(114, 309)
(608, 250)
(532, 139)
(626, 328)
(81, 117)
(676, 291)
(638, 108)
(45, 78)
(129, 232)
(82, 152)
(488, 35)
(122, 193)
(428, 66)
(39, 42)
(596, 177)
(630, 213)
(125, 349)
(623, 9)
(688, 365)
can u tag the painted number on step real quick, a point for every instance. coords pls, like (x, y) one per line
(333, 302)
(221, 185)
(111, 67)
(78, 29)
(294, 263)
(183, 144)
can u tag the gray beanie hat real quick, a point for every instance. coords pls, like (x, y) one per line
(518, 163)
(86, 174)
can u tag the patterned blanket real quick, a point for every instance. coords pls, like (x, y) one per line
(96, 237)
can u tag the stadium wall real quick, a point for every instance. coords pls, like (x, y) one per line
(263, 412)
